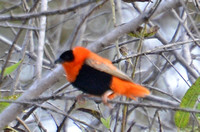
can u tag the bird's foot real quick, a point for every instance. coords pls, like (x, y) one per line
(105, 97)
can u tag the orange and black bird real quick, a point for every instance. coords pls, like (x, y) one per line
(97, 76)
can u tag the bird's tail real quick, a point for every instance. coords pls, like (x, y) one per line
(128, 89)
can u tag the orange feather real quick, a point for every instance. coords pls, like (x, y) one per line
(120, 84)
(129, 89)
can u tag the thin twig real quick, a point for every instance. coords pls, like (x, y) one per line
(163, 92)
(23, 124)
(39, 122)
(13, 45)
(175, 68)
(148, 105)
(9, 54)
(84, 19)
(19, 49)
(9, 25)
(154, 118)
(10, 8)
(158, 49)
(160, 123)
(46, 13)
(179, 57)
(41, 40)
(25, 44)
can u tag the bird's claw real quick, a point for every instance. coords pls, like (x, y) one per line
(105, 98)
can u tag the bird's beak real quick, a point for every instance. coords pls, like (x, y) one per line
(58, 61)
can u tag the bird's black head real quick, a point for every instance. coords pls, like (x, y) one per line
(66, 56)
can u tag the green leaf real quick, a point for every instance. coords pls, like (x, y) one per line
(106, 122)
(137, 33)
(151, 32)
(3, 105)
(188, 101)
(140, 31)
(11, 68)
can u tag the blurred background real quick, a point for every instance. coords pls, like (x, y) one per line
(169, 65)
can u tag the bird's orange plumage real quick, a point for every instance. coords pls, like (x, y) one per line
(72, 68)
(120, 83)
(128, 89)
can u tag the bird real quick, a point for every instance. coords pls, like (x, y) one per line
(97, 76)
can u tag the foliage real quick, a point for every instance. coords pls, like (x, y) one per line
(8, 71)
(188, 101)
(106, 122)
(3, 105)
(143, 32)
(11, 68)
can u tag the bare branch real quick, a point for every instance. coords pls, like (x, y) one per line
(39, 86)
(10, 113)
(41, 41)
(130, 26)
(45, 13)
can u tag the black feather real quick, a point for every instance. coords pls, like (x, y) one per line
(92, 81)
